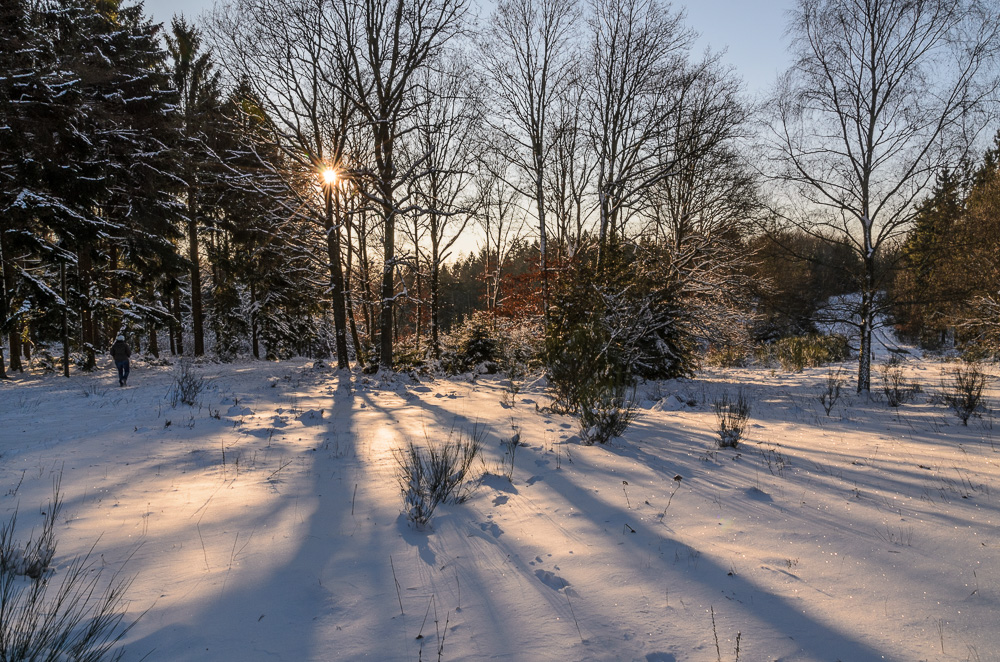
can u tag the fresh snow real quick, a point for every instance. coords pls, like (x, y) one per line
(264, 523)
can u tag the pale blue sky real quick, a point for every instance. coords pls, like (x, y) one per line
(752, 31)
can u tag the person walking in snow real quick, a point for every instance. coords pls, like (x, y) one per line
(121, 352)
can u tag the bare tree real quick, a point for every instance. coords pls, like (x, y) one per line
(386, 45)
(568, 180)
(291, 65)
(882, 95)
(499, 215)
(710, 189)
(637, 77)
(530, 55)
(446, 124)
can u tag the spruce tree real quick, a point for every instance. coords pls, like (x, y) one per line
(198, 82)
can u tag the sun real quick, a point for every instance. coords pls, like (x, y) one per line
(329, 176)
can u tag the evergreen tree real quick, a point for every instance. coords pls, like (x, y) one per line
(198, 83)
(86, 181)
(926, 288)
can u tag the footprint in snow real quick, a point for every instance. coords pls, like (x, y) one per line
(552, 580)
(492, 529)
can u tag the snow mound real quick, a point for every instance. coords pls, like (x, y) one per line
(669, 403)
(237, 410)
(310, 417)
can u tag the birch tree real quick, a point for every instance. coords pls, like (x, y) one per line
(882, 94)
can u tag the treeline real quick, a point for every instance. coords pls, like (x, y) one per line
(295, 177)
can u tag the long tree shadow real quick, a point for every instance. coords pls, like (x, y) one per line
(296, 601)
(814, 637)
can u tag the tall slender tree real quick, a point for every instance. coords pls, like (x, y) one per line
(446, 124)
(197, 79)
(638, 76)
(531, 57)
(386, 45)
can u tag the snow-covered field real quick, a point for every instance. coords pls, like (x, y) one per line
(265, 523)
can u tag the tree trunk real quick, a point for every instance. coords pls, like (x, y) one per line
(865, 341)
(867, 312)
(3, 303)
(418, 282)
(13, 335)
(197, 320)
(178, 324)
(435, 307)
(359, 351)
(387, 175)
(65, 317)
(254, 334)
(336, 281)
(88, 332)
(865, 359)
(542, 235)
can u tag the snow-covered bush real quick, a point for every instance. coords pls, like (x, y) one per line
(607, 413)
(613, 322)
(438, 475)
(472, 346)
(519, 353)
(47, 620)
(964, 393)
(733, 415)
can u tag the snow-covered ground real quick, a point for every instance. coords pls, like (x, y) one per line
(264, 524)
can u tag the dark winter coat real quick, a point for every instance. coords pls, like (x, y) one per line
(120, 351)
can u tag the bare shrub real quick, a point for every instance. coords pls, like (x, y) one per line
(965, 392)
(512, 387)
(831, 390)
(45, 620)
(897, 389)
(437, 475)
(187, 386)
(510, 445)
(733, 415)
